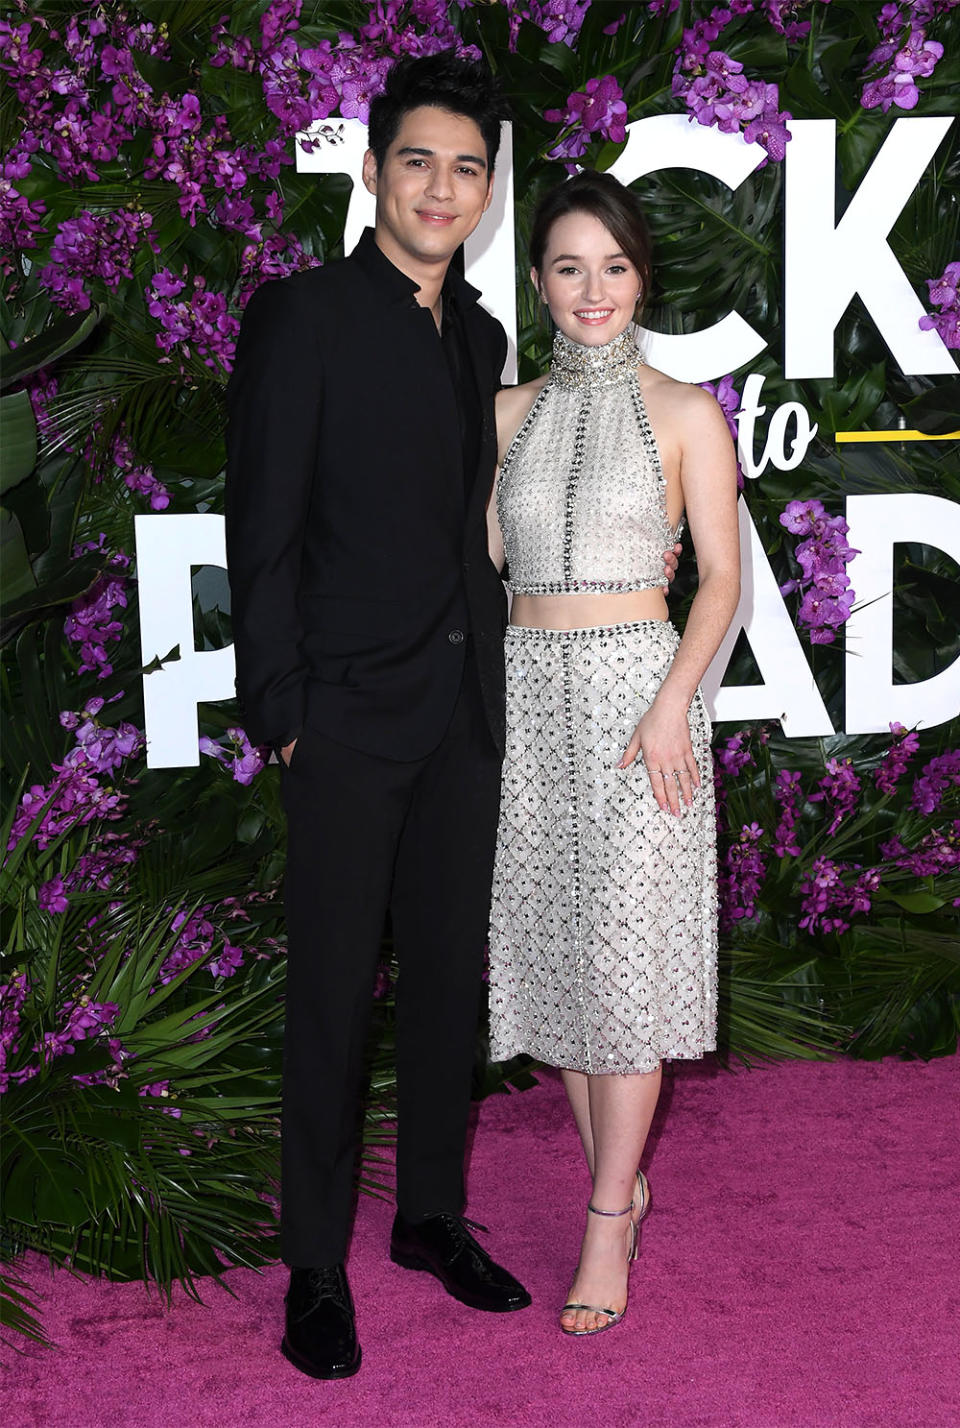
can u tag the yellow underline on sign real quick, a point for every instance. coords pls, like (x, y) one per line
(895, 436)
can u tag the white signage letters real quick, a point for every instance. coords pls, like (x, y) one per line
(826, 263)
(337, 146)
(877, 524)
(775, 446)
(167, 547)
(788, 692)
(665, 141)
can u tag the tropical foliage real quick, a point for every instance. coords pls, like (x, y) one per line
(147, 188)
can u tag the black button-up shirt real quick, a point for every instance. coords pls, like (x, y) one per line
(394, 284)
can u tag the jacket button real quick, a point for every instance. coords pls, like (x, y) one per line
(455, 637)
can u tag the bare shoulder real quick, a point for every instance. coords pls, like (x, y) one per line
(515, 402)
(513, 407)
(680, 405)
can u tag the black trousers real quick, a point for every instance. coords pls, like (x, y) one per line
(367, 834)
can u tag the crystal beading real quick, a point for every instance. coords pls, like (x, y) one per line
(575, 365)
(603, 928)
(573, 520)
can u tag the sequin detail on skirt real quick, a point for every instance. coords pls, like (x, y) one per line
(603, 939)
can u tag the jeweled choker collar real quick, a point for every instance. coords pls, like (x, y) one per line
(575, 365)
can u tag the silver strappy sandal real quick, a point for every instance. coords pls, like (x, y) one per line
(613, 1316)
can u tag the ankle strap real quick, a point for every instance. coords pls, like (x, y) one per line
(610, 1214)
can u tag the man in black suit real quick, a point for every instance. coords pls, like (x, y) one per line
(368, 624)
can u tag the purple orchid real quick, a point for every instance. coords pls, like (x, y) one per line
(85, 1019)
(199, 324)
(227, 962)
(823, 890)
(938, 776)
(839, 789)
(945, 294)
(197, 935)
(732, 757)
(778, 11)
(789, 794)
(741, 875)
(75, 796)
(21, 223)
(896, 64)
(137, 476)
(13, 994)
(90, 623)
(236, 51)
(715, 90)
(770, 131)
(894, 762)
(560, 20)
(598, 109)
(826, 597)
(51, 896)
(240, 756)
(93, 246)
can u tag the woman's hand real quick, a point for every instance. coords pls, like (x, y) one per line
(671, 560)
(662, 739)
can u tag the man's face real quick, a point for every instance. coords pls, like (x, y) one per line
(433, 188)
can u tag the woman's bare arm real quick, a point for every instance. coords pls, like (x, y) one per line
(708, 476)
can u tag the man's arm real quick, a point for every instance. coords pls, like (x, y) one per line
(274, 399)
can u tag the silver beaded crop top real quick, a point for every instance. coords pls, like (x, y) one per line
(582, 497)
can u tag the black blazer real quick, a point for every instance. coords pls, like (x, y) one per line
(356, 544)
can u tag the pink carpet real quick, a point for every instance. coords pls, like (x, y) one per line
(799, 1270)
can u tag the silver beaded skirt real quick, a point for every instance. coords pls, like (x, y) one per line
(603, 937)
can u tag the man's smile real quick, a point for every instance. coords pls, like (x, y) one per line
(435, 216)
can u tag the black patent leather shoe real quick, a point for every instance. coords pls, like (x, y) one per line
(321, 1335)
(443, 1246)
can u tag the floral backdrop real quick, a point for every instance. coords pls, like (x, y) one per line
(147, 187)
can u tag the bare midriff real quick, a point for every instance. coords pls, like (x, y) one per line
(582, 612)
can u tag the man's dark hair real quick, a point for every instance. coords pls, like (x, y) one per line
(618, 208)
(442, 81)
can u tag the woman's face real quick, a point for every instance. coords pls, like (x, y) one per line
(589, 285)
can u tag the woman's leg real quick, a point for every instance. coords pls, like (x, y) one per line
(577, 1086)
(615, 1121)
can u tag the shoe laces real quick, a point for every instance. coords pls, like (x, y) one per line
(328, 1283)
(473, 1224)
(460, 1227)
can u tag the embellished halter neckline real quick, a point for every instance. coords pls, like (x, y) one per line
(576, 365)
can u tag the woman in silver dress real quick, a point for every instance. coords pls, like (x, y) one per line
(603, 924)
